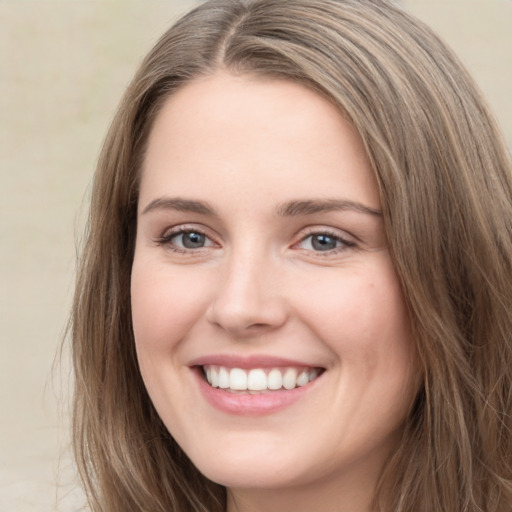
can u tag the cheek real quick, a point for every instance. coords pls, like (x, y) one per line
(363, 304)
(165, 304)
(363, 319)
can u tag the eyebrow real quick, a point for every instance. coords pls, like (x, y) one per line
(309, 207)
(287, 209)
(181, 205)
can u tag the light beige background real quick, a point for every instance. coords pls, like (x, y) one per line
(63, 67)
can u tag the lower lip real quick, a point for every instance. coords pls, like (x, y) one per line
(243, 404)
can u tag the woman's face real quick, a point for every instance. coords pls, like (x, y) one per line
(261, 262)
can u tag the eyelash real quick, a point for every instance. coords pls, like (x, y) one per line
(344, 243)
(166, 240)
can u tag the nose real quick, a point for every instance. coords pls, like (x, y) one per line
(249, 300)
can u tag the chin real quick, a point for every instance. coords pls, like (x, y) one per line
(251, 475)
(259, 464)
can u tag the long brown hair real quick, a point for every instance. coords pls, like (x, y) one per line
(445, 182)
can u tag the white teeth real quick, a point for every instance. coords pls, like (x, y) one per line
(258, 379)
(274, 379)
(303, 378)
(223, 378)
(238, 379)
(213, 378)
(290, 378)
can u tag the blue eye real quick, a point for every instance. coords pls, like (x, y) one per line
(189, 240)
(324, 242)
(186, 240)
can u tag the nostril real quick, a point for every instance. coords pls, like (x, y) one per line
(246, 319)
(258, 326)
(245, 307)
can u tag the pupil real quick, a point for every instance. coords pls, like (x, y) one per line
(193, 240)
(323, 243)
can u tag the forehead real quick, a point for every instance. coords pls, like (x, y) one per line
(247, 135)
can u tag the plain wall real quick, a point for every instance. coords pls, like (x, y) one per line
(63, 67)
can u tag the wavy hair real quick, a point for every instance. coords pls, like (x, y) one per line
(445, 183)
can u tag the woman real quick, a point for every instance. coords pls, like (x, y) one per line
(295, 292)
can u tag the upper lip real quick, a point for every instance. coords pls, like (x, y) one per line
(248, 362)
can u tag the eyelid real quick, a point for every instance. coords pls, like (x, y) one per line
(170, 232)
(348, 241)
(319, 229)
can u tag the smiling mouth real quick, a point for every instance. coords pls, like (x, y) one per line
(259, 380)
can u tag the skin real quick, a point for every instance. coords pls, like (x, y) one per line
(259, 285)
